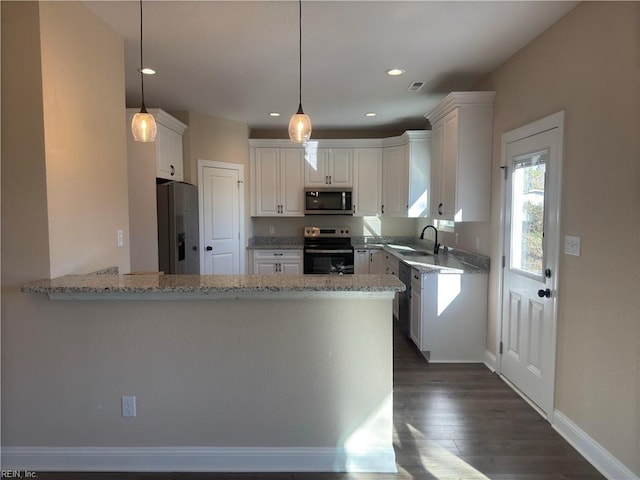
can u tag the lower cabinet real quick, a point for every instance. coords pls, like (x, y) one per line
(449, 315)
(368, 260)
(392, 265)
(278, 262)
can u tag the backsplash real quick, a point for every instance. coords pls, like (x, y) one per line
(359, 226)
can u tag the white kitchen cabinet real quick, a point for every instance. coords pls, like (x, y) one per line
(368, 261)
(166, 151)
(377, 262)
(461, 147)
(367, 181)
(392, 267)
(406, 171)
(278, 262)
(328, 167)
(277, 176)
(449, 315)
(361, 261)
(415, 328)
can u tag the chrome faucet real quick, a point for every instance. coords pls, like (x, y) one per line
(436, 247)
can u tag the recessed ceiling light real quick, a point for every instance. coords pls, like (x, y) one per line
(370, 114)
(274, 114)
(395, 71)
(148, 71)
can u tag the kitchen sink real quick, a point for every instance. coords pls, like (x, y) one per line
(416, 253)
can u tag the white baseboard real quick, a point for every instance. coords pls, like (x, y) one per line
(186, 459)
(490, 360)
(595, 453)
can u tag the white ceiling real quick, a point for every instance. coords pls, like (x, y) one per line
(239, 59)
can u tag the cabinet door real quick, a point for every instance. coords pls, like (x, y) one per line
(449, 165)
(361, 261)
(367, 184)
(395, 181)
(291, 267)
(416, 312)
(437, 154)
(377, 262)
(264, 267)
(267, 179)
(316, 168)
(291, 182)
(341, 167)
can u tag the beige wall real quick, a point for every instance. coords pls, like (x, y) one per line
(84, 139)
(587, 65)
(219, 140)
(25, 233)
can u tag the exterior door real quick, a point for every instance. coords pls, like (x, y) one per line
(221, 191)
(531, 238)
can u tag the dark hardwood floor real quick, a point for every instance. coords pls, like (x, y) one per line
(452, 421)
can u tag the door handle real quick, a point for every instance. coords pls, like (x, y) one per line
(544, 293)
(209, 248)
(440, 209)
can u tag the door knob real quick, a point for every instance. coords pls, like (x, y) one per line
(544, 293)
(209, 248)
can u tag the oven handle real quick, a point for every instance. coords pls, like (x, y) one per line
(328, 251)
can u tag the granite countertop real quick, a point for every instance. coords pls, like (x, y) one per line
(451, 261)
(161, 287)
(276, 243)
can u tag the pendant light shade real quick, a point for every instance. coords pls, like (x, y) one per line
(300, 124)
(300, 127)
(143, 125)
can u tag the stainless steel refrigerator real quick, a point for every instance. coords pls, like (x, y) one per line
(178, 235)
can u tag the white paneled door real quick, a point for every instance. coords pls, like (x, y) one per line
(532, 160)
(221, 193)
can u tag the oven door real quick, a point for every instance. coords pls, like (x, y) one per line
(328, 261)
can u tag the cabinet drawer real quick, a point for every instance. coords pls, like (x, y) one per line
(292, 254)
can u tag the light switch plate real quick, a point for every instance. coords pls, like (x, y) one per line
(572, 245)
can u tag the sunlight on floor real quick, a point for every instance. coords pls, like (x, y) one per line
(441, 463)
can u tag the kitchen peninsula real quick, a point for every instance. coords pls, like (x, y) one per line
(231, 373)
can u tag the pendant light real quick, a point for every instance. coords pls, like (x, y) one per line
(143, 124)
(300, 124)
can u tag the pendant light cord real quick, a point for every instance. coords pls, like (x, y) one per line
(300, 49)
(141, 62)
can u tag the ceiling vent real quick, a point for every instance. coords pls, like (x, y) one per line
(415, 86)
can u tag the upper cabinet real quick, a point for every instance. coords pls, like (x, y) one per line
(277, 182)
(367, 184)
(462, 128)
(328, 167)
(166, 151)
(406, 169)
(389, 176)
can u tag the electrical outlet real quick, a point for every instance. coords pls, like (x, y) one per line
(272, 229)
(128, 406)
(120, 237)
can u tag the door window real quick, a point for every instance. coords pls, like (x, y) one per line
(527, 221)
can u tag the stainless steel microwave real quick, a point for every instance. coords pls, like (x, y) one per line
(328, 201)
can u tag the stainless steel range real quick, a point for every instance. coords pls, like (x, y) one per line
(328, 250)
